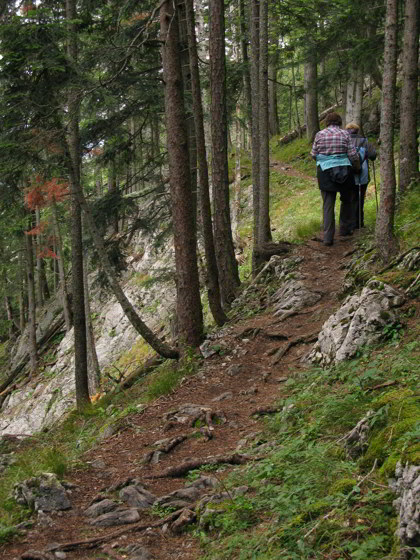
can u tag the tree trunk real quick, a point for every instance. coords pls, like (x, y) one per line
(384, 232)
(22, 320)
(189, 117)
(225, 254)
(68, 320)
(273, 117)
(245, 61)
(264, 205)
(409, 156)
(354, 95)
(296, 100)
(94, 371)
(213, 290)
(79, 320)
(40, 293)
(311, 96)
(189, 312)
(33, 352)
(255, 137)
(112, 188)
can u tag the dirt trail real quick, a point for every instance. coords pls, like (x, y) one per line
(248, 381)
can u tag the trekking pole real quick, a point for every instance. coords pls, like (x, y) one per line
(360, 206)
(374, 182)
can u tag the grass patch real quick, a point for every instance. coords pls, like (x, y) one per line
(296, 153)
(407, 223)
(167, 376)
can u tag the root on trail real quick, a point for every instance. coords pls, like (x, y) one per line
(96, 541)
(184, 468)
(301, 340)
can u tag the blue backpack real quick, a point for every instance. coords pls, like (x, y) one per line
(362, 177)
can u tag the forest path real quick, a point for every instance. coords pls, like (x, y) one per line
(233, 386)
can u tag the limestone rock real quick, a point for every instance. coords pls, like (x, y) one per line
(138, 497)
(359, 321)
(99, 508)
(43, 492)
(292, 297)
(407, 486)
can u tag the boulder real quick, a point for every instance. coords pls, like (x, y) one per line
(360, 321)
(43, 492)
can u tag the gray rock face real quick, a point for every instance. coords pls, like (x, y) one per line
(407, 486)
(292, 297)
(43, 493)
(359, 321)
(46, 400)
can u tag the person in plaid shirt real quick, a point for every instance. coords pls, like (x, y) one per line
(336, 159)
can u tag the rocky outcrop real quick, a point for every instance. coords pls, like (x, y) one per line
(360, 321)
(407, 486)
(42, 493)
(46, 399)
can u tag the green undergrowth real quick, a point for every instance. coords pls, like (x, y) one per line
(311, 496)
(60, 449)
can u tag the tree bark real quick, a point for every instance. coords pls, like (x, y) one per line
(264, 231)
(409, 156)
(189, 312)
(33, 352)
(354, 97)
(213, 290)
(384, 232)
(94, 371)
(79, 320)
(68, 320)
(189, 117)
(225, 254)
(273, 117)
(245, 61)
(311, 95)
(255, 136)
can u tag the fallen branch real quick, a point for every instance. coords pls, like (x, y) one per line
(184, 468)
(386, 384)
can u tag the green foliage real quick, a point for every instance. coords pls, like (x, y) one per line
(407, 226)
(169, 375)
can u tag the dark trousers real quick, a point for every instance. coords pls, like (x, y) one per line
(346, 213)
(358, 203)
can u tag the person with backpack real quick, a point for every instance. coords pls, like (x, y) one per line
(366, 151)
(336, 161)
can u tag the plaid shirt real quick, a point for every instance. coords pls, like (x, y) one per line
(334, 140)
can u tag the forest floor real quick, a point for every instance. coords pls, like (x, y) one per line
(237, 383)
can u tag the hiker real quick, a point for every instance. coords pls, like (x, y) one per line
(366, 151)
(336, 161)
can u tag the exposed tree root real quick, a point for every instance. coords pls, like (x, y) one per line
(165, 448)
(96, 541)
(301, 340)
(265, 410)
(184, 468)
